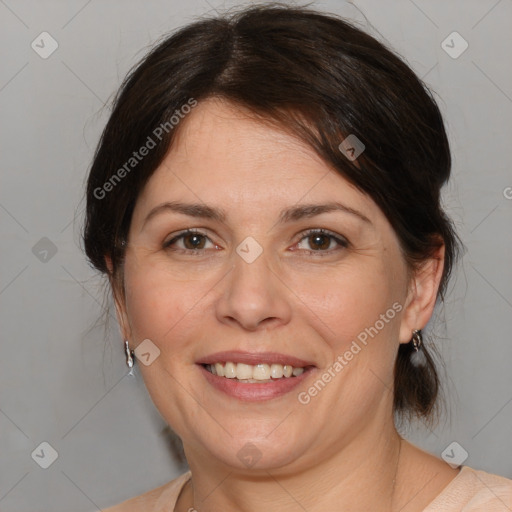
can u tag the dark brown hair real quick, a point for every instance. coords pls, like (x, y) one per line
(318, 77)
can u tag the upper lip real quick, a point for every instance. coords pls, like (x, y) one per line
(252, 358)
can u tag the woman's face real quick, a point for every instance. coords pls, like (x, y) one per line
(259, 283)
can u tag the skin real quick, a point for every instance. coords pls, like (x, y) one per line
(296, 298)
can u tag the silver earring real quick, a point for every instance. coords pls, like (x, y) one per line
(417, 340)
(418, 357)
(129, 355)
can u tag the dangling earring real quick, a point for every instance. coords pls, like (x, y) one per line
(417, 339)
(129, 355)
(418, 356)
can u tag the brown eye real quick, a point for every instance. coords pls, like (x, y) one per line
(320, 241)
(189, 241)
(194, 241)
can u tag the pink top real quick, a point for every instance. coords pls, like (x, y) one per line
(470, 491)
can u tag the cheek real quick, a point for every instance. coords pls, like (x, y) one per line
(348, 301)
(157, 303)
(353, 312)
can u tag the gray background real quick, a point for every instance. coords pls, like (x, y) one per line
(64, 382)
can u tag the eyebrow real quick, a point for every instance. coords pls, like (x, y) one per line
(294, 213)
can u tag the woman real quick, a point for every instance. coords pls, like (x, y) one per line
(265, 201)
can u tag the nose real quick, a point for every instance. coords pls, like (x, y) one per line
(253, 296)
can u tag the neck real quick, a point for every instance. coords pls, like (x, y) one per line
(339, 480)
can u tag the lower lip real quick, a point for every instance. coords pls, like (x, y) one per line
(252, 392)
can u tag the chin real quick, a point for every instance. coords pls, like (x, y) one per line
(256, 452)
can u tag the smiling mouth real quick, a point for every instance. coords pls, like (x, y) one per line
(255, 374)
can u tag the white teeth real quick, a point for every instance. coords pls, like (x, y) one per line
(243, 371)
(219, 369)
(230, 371)
(276, 371)
(261, 372)
(254, 373)
(287, 370)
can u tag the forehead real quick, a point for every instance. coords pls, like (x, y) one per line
(223, 155)
(232, 138)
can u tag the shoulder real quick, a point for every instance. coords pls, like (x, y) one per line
(473, 491)
(160, 499)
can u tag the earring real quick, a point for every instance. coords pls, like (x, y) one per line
(129, 355)
(418, 357)
(417, 339)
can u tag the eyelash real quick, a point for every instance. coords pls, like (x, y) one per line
(341, 241)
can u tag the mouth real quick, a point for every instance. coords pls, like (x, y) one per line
(254, 374)
(254, 377)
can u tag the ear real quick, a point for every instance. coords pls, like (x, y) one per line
(422, 294)
(122, 317)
